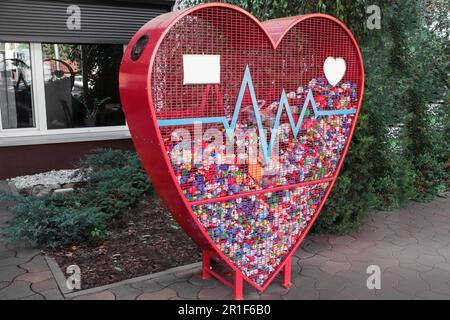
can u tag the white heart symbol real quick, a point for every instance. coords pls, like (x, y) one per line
(334, 69)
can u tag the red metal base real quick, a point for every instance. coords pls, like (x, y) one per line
(238, 280)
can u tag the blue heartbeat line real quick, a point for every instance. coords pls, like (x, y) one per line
(231, 127)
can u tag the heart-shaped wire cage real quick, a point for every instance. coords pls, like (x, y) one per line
(223, 85)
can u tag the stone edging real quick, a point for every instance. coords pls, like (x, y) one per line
(67, 293)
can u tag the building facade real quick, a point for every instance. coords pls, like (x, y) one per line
(59, 72)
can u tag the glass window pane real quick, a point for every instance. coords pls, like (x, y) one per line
(16, 103)
(82, 85)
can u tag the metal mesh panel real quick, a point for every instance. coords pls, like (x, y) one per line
(296, 66)
(256, 232)
(255, 209)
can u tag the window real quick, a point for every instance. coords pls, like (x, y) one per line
(82, 85)
(52, 93)
(16, 101)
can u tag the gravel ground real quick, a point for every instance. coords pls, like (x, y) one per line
(54, 177)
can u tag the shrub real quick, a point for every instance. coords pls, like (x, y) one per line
(115, 181)
(50, 223)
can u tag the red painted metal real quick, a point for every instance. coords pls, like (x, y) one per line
(137, 88)
(287, 273)
(238, 286)
(206, 264)
(238, 283)
(255, 192)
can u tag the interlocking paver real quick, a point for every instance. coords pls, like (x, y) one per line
(26, 253)
(44, 285)
(317, 260)
(275, 288)
(316, 247)
(335, 283)
(33, 297)
(163, 294)
(219, 293)
(147, 286)
(186, 290)
(11, 261)
(412, 286)
(411, 246)
(415, 266)
(393, 294)
(104, 295)
(314, 271)
(354, 276)
(429, 295)
(187, 273)
(4, 284)
(302, 253)
(357, 291)
(443, 266)
(438, 280)
(16, 290)
(403, 272)
(9, 273)
(350, 248)
(333, 256)
(331, 295)
(429, 260)
(52, 294)
(167, 280)
(333, 267)
(252, 295)
(208, 283)
(37, 264)
(125, 292)
(382, 262)
(268, 296)
(6, 254)
(345, 240)
(303, 294)
(34, 277)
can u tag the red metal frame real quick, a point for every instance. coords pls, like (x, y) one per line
(135, 81)
(238, 284)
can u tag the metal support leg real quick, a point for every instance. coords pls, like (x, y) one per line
(206, 265)
(287, 268)
(238, 286)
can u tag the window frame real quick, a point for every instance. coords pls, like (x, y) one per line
(40, 134)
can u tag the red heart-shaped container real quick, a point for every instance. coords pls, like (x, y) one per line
(215, 68)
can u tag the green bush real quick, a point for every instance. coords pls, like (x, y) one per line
(115, 181)
(47, 222)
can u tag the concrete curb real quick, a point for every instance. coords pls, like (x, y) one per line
(58, 275)
(67, 293)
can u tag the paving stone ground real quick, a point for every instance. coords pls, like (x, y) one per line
(411, 246)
